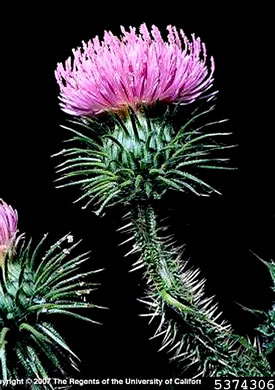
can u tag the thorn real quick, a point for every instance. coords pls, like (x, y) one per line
(147, 303)
(136, 268)
(124, 227)
(133, 250)
(165, 345)
(128, 239)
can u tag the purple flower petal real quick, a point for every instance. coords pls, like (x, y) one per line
(8, 228)
(136, 68)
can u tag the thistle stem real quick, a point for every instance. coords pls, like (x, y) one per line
(188, 319)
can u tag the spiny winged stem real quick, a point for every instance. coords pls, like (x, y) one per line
(188, 320)
(266, 327)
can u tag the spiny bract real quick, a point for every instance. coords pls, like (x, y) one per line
(31, 291)
(140, 157)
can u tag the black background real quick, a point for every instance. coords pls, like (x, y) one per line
(218, 231)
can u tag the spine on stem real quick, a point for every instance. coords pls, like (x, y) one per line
(188, 321)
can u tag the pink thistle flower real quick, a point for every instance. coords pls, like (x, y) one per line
(8, 229)
(132, 70)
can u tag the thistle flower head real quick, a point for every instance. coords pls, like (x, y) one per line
(137, 68)
(8, 228)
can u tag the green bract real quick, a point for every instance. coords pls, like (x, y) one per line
(140, 157)
(31, 291)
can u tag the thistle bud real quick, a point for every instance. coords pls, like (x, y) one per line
(8, 230)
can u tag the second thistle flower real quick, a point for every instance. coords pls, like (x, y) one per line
(8, 229)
